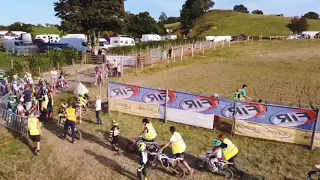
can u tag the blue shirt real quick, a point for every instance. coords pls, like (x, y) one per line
(243, 93)
(27, 95)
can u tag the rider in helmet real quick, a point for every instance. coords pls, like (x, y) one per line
(62, 113)
(143, 159)
(114, 134)
(216, 155)
(12, 103)
(149, 133)
(82, 100)
(98, 73)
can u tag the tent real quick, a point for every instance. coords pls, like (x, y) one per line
(80, 89)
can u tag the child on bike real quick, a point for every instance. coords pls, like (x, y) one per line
(216, 155)
(114, 135)
(62, 113)
(143, 159)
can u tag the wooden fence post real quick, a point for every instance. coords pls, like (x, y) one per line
(234, 119)
(11, 63)
(181, 55)
(166, 106)
(192, 50)
(15, 172)
(174, 57)
(109, 103)
(229, 43)
(222, 44)
(314, 133)
(39, 71)
(214, 46)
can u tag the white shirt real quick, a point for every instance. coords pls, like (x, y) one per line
(98, 105)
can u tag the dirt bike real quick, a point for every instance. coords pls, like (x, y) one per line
(204, 163)
(77, 132)
(314, 175)
(151, 146)
(85, 103)
(62, 84)
(168, 163)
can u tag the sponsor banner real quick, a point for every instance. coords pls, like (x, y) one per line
(135, 108)
(252, 112)
(190, 118)
(270, 132)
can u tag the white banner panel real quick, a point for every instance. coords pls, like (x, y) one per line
(190, 118)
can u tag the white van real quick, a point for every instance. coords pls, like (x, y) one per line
(26, 37)
(48, 38)
(150, 37)
(10, 45)
(169, 37)
(82, 36)
(122, 41)
(78, 44)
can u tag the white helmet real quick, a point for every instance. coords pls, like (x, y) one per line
(21, 99)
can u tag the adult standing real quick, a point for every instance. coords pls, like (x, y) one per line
(35, 132)
(70, 122)
(244, 93)
(98, 110)
(138, 61)
(44, 106)
(119, 70)
(49, 114)
(114, 68)
(178, 147)
(54, 78)
(230, 151)
(27, 97)
(149, 133)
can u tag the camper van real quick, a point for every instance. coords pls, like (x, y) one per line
(218, 38)
(78, 44)
(81, 36)
(169, 37)
(150, 37)
(48, 38)
(122, 41)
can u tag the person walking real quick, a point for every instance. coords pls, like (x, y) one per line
(244, 93)
(114, 68)
(178, 147)
(143, 159)
(70, 122)
(27, 97)
(230, 152)
(35, 132)
(98, 110)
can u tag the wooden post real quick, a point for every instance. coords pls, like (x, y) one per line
(72, 62)
(15, 172)
(314, 133)
(270, 38)
(39, 71)
(210, 44)
(11, 63)
(181, 55)
(200, 45)
(214, 46)
(202, 50)
(192, 50)
(238, 41)
(58, 66)
(252, 40)
(166, 106)
(234, 119)
(222, 44)
(109, 103)
(229, 43)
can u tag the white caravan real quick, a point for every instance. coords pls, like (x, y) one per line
(150, 37)
(82, 36)
(218, 38)
(121, 41)
(48, 38)
(169, 37)
(78, 44)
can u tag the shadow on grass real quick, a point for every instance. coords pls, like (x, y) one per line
(112, 165)
(22, 138)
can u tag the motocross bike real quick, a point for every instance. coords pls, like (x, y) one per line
(314, 175)
(62, 84)
(132, 147)
(168, 163)
(60, 126)
(220, 168)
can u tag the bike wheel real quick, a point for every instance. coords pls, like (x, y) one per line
(153, 148)
(200, 164)
(153, 164)
(179, 172)
(227, 173)
(131, 148)
(78, 134)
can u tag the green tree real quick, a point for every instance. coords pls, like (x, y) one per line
(143, 23)
(192, 10)
(19, 26)
(257, 12)
(311, 15)
(298, 25)
(163, 17)
(91, 17)
(240, 8)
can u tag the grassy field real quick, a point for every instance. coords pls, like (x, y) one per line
(227, 22)
(46, 30)
(271, 69)
(172, 26)
(5, 60)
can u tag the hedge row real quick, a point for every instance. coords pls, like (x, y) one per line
(43, 62)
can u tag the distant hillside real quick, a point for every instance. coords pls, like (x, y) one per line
(45, 30)
(227, 22)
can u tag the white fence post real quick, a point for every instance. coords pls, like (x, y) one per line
(181, 53)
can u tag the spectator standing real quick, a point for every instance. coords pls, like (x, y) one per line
(114, 68)
(119, 70)
(70, 122)
(54, 78)
(27, 97)
(170, 52)
(50, 106)
(35, 132)
(244, 93)
(98, 110)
